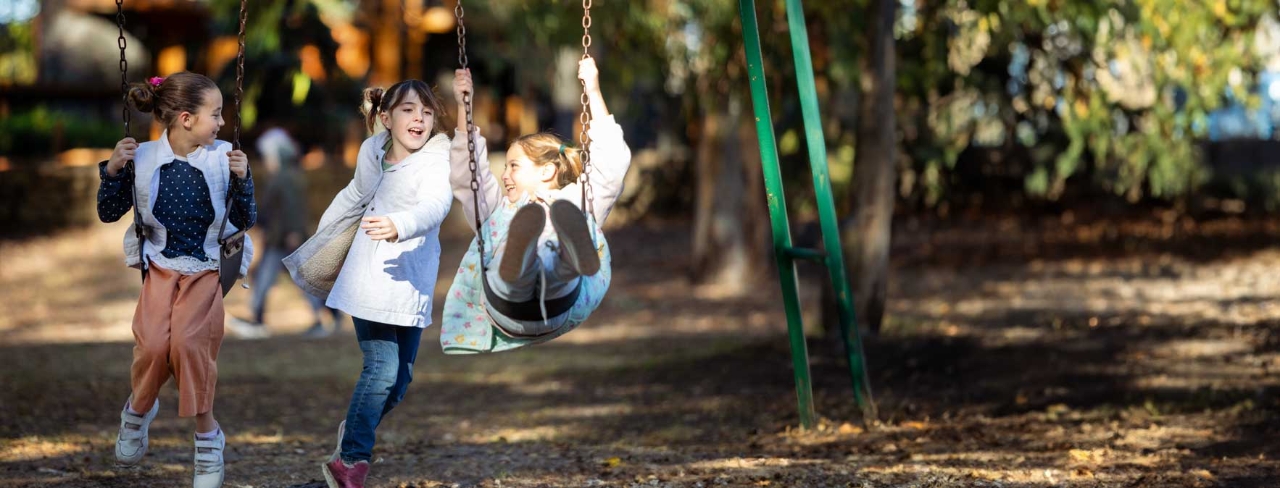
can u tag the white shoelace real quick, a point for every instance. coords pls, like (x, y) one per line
(542, 294)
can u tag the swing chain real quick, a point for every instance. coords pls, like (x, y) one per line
(588, 197)
(467, 98)
(124, 67)
(235, 135)
(459, 13)
(139, 230)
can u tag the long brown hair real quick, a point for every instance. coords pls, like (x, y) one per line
(179, 92)
(377, 101)
(547, 148)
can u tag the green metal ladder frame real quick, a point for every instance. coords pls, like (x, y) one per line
(784, 252)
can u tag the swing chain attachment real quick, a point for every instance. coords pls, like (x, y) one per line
(588, 196)
(124, 67)
(467, 98)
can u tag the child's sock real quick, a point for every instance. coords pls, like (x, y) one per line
(208, 436)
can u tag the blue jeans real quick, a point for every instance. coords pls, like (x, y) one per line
(264, 277)
(389, 353)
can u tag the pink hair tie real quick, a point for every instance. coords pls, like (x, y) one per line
(155, 81)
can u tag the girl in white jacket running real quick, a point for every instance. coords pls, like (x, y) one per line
(388, 278)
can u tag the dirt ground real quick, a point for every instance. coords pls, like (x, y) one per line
(1058, 354)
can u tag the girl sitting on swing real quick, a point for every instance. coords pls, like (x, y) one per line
(548, 278)
(183, 183)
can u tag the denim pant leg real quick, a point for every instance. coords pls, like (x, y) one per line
(381, 349)
(317, 305)
(408, 338)
(263, 279)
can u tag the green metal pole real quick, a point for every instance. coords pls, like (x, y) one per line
(826, 205)
(777, 211)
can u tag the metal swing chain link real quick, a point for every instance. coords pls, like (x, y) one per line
(472, 164)
(588, 197)
(124, 67)
(235, 135)
(235, 243)
(139, 230)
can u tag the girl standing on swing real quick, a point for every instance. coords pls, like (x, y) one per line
(182, 182)
(537, 263)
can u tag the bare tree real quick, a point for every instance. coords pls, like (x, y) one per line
(867, 241)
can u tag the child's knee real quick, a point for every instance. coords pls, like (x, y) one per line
(153, 350)
(398, 390)
(182, 349)
(381, 362)
(403, 377)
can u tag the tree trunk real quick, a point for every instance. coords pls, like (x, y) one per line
(704, 176)
(724, 256)
(756, 228)
(867, 243)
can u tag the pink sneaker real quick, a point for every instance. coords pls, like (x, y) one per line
(339, 475)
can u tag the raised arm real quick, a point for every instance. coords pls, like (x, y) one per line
(610, 156)
(590, 76)
(460, 160)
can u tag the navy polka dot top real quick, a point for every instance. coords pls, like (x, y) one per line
(183, 205)
(185, 209)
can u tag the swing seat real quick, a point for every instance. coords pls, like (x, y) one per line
(530, 310)
(468, 326)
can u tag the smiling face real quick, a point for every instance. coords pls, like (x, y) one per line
(204, 123)
(410, 122)
(522, 175)
(189, 106)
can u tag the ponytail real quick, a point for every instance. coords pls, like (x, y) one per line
(546, 148)
(170, 96)
(142, 97)
(371, 106)
(570, 166)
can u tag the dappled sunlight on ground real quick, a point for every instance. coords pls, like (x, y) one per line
(1084, 369)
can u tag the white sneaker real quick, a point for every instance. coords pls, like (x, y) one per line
(208, 461)
(244, 329)
(131, 441)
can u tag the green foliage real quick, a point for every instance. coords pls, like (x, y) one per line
(35, 132)
(1122, 89)
(275, 86)
(1111, 94)
(17, 53)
